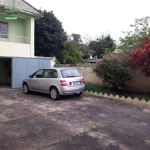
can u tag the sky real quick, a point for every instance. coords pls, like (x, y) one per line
(93, 18)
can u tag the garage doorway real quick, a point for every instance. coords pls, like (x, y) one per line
(5, 71)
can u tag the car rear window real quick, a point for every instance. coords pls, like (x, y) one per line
(68, 73)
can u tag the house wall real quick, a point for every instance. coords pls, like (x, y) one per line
(32, 36)
(14, 49)
(27, 27)
(19, 27)
(16, 27)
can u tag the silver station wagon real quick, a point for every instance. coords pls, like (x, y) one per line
(55, 81)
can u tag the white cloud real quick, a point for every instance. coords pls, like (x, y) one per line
(96, 16)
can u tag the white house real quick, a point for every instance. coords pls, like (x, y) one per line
(17, 61)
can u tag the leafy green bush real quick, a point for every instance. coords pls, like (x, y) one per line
(113, 69)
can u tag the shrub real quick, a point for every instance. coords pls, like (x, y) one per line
(140, 57)
(113, 69)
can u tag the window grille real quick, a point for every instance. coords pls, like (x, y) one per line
(3, 30)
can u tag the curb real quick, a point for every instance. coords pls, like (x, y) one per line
(117, 97)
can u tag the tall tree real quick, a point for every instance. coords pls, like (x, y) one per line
(102, 45)
(85, 49)
(77, 38)
(49, 36)
(72, 53)
(133, 38)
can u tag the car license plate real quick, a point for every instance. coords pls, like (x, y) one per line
(76, 83)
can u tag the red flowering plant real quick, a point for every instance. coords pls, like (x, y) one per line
(140, 57)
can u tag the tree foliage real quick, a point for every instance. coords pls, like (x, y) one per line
(72, 53)
(102, 45)
(140, 57)
(49, 36)
(133, 38)
(113, 69)
(83, 47)
(77, 38)
(86, 51)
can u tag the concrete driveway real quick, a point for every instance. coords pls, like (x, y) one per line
(35, 122)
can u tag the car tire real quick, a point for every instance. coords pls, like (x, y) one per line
(54, 93)
(79, 94)
(26, 88)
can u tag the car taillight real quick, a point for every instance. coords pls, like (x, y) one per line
(63, 83)
(82, 81)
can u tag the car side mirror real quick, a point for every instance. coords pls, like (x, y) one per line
(30, 76)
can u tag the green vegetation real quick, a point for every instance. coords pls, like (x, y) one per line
(49, 36)
(85, 132)
(136, 35)
(113, 69)
(102, 45)
(143, 96)
(87, 52)
(101, 89)
(71, 53)
(92, 128)
(51, 40)
(95, 88)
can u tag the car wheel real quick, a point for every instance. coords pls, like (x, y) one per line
(78, 94)
(54, 93)
(25, 88)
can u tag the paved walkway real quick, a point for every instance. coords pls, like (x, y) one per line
(35, 122)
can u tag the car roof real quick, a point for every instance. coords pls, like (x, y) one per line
(57, 68)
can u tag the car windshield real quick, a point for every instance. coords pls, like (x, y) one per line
(68, 73)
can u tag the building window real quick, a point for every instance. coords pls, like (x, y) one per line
(4, 30)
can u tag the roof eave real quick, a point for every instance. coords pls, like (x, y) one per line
(31, 6)
(37, 16)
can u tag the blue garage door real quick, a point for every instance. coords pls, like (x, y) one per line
(23, 67)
